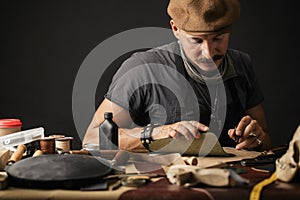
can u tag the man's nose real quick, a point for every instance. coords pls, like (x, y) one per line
(207, 49)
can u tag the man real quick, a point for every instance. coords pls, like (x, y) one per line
(188, 87)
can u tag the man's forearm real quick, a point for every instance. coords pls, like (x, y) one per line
(129, 139)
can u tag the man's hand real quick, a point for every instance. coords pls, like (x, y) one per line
(182, 129)
(248, 134)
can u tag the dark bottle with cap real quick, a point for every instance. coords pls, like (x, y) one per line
(108, 133)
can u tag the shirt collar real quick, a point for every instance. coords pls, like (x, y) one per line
(225, 70)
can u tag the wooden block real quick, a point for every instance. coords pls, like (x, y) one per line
(3, 180)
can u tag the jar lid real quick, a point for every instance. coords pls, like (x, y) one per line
(10, 123)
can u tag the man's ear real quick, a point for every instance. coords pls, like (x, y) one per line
(174, 28)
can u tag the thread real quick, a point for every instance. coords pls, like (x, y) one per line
(63, 143)
(47, 145)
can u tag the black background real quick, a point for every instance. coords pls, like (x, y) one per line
(43, 44)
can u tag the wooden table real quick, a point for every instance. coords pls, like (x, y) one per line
(162, 189)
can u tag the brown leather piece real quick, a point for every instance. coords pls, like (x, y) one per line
(277, 190)
(162, 189)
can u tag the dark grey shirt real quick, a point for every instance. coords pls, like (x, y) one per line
(155, 87)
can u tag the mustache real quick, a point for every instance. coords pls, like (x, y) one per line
(217, 57)
(210, 60)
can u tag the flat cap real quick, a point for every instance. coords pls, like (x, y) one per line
(204, 16)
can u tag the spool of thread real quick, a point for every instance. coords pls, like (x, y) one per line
(47, 145)
(63, 143)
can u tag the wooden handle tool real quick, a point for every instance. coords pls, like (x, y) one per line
(17, 155)
(37, 153)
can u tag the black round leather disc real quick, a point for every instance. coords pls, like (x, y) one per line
(55, 168)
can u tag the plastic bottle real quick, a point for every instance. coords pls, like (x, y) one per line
(108, 130)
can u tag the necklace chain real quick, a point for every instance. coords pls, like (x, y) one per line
(197, 77)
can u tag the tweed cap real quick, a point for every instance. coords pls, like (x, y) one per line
(204, 16)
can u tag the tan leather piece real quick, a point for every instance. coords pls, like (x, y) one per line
(207, 145)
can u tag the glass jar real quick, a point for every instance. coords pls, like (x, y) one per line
(8, 126)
